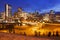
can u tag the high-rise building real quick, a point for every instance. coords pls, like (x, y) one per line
(52, 15)
(19, 9)
(46, 17)
(19, 12)
(52, 12)
(3, 15)
(57, 17)
(8, 10)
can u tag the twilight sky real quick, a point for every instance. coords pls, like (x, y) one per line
(31, 5)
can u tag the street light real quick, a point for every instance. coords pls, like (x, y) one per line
(23, 24)
(43, 22)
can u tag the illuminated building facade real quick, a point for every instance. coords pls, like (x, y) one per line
(3, 15)
(57, 18)
(52, 15)
(8, 10)
(46, 17)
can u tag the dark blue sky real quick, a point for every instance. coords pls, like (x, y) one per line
(31, 5)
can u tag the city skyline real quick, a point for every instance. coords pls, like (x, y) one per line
(31, 5)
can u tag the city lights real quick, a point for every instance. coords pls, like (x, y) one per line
(29, 23)
(29, 19)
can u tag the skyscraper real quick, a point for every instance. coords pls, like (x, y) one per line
(51, 15)
(8, 10)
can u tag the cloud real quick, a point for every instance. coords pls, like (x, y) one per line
(55, 8)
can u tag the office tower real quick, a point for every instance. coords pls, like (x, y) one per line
(8, 10)
(46, 17)
(52, 15)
